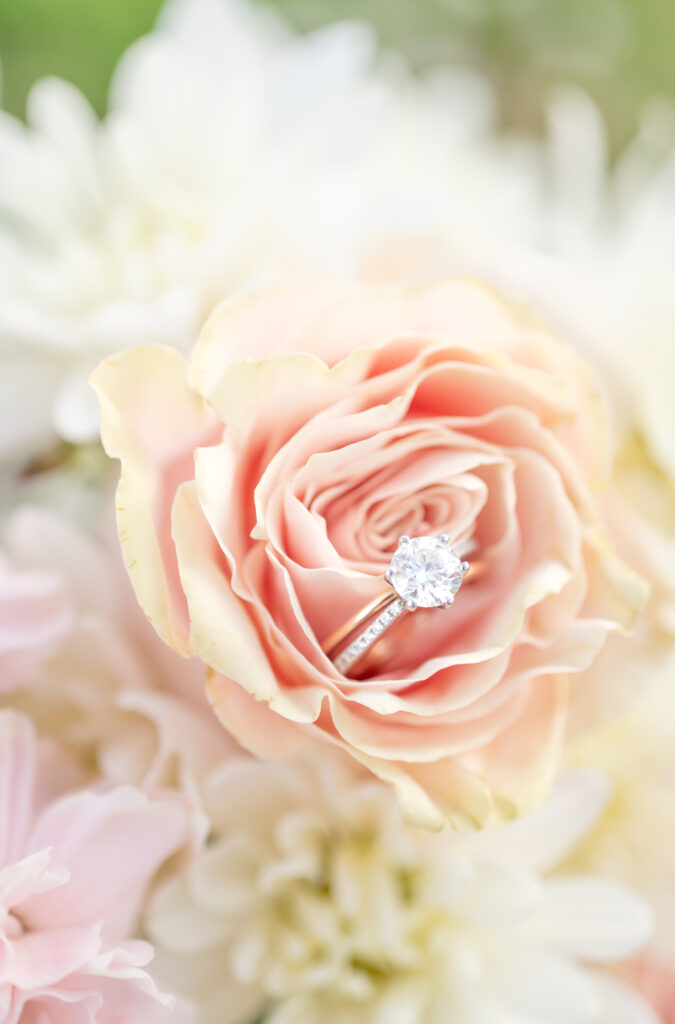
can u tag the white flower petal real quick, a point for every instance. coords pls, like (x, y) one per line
(593, 919)
(543, 838)
(76, 415)
(621, 1005)
(536, 987)
(335, 914)
(178, 924)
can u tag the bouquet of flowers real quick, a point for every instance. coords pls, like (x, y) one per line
(337, 568)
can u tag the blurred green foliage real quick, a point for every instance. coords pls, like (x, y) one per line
(80, 40)
(620, 50)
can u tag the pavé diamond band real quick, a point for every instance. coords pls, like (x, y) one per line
(425, 572)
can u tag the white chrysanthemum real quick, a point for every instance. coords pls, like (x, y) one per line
(231, 152)
(614, 225)
(634, 838)
(312, 901)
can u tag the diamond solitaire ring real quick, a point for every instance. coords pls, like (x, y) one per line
(425, 572)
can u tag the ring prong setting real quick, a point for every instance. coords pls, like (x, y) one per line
(426, 572)
(444, 539)
(465, 567)
(404, 540)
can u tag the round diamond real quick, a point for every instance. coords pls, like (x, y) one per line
(425, 572)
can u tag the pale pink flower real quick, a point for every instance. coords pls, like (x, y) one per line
(34, 618)
(262, 493)
(73, 876)
(78, 656)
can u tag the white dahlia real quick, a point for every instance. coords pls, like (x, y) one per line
(634, 838)
(313, 901)
(232, 152)
(613, 224)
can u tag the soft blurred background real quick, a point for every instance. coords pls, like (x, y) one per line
(620, 51)
(236, 153)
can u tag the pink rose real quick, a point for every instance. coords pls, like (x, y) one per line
(263, 492)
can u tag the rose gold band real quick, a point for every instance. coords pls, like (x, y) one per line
(340, 638)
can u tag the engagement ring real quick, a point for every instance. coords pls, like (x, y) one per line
(425, 572)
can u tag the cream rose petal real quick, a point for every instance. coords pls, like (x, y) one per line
(220, 631)
(151, 421)
(241, 326)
